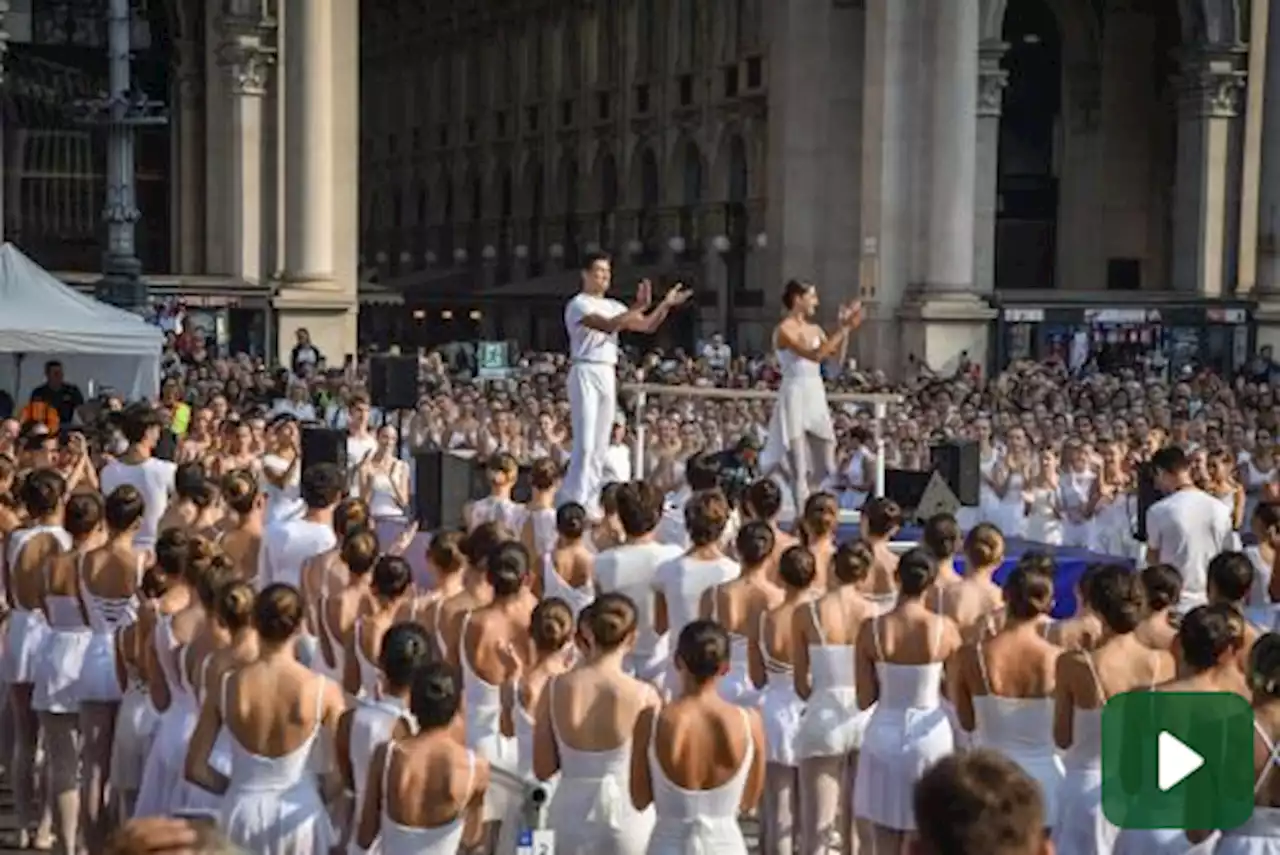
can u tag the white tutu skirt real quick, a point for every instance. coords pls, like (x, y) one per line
(800, 413)
(278, 822)
(24, 638)
(57, 671)
(163, 776)
(596, 817)
(136, 723)
(832, 724)
(1080, 828)
(781, 708)
(1259, 836)
(899, 745)
(98, 681)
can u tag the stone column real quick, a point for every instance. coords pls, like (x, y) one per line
(953, 142)
(247, 61)
(1209, 91)
(1268, 282)
(309, 139)
(992, 80)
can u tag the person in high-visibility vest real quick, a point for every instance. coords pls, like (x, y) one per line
(181, 419)
(41, 413)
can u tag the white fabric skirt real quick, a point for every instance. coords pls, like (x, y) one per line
(57, 669)
(898, 747)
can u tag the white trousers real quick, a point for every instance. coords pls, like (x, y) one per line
(593, 404)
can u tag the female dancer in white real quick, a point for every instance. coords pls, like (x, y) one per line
(1261, 834)
(1076, 494)
(337, 613)
(274, 710)
(486, 635)
(424, 793)
(1004, 687)
(899, 666)
(242, 537)
(568, 568)
(699, 761)
(163, 790)
(802, 441)
(383, 481)
(738, 605)
(774, 651)
(539, 531)
(831, 729)
(27, 551)
(1212, 641)
(282, 470)
(450, 613)
(390, 589)
(109, 580)
(586, 722)
(136, 719)
(1083, 682)
(406, 648)
(1013, 475)
(1044, 513)
(60, 665)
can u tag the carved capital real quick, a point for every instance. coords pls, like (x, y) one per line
(1210, 84)
(992, 78)
(249, 66)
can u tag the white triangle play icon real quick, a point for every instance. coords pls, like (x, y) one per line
(1175, 761)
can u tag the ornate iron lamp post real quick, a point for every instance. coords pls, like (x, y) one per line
(122, 111)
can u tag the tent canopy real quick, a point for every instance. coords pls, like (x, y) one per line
(42, 319)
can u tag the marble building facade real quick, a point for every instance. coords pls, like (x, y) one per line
(935, 158)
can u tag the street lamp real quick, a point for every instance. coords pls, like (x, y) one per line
(122, 111)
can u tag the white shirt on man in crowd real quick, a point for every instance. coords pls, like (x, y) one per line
(632, 569)
(154, 479)
(1186, 530)
(287, 545)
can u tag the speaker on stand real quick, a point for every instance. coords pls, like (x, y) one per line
(958, 462)
(393, 382)
(321, 444)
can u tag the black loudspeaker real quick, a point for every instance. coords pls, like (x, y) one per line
(323, 445)
(393, 382)
(443, 484)
(957, 461)
(1148, 495)
(906, 488)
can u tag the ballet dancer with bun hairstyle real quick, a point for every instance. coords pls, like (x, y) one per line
(699, 755)
(274, 710)
(425, 793)
(242, 535)
(585, 727)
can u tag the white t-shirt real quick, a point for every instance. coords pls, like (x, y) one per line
(631, 569)
(1187, 530)
(588, 345)
(287, 545)
(617, 464)
(683, 580)
(357, 448)
(286, 502)
(153, 478)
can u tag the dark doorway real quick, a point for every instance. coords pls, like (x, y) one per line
(1027, 186)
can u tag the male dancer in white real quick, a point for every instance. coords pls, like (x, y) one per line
(593, 322)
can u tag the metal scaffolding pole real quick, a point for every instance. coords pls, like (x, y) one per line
(122, 112)
(4, 83)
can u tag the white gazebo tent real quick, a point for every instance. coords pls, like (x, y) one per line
(42, 319)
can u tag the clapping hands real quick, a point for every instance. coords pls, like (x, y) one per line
(644, 295)
(850, 315)
(677, 296)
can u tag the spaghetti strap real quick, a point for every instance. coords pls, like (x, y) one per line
(222, 694)
(1273, 754)
(817, 623)
(386, 774)
(1097, 680)
(320, 687)
(875, 636)
(471, 777)
(551, 709)
(982, 668)
(939, 627)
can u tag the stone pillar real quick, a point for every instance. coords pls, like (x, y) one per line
(1209, 89)
(247, 61)
(320, 156)
(953, 145)
(1268, 283)
(309, 122)
(945, 319)
(992, 80)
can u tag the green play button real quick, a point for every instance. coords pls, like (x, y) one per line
(1177, 760)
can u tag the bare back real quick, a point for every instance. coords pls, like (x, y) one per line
(970, 602)
(493, 629)
(272, 709)
(596, 710)
(738, 604)
(700, 743)
(883, 579)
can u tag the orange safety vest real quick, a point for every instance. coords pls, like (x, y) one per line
(39, 411)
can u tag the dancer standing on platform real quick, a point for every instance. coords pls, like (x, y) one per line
(802, 441)
(593, 322)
